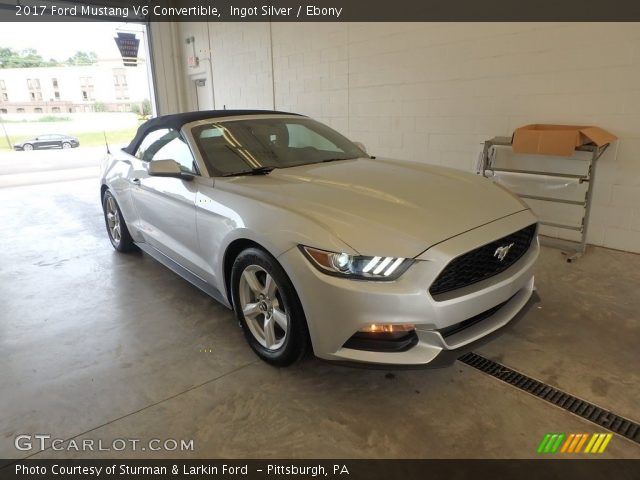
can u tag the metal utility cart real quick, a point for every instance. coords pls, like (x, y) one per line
(571, 249)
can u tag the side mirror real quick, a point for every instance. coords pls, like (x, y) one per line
(167, 168)
(361, 146)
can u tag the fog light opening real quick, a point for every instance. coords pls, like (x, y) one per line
(384, 337)
(387, 328)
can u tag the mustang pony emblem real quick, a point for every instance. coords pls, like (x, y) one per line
(502, 252)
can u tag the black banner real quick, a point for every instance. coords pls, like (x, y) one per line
(310, 469)
(128, 45)
(320, 10)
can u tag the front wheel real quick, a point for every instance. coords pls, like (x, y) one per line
(66, 145)
(116, 227)
(268, 308)
(27, 147)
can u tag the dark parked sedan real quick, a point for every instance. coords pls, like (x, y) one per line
(48, 141)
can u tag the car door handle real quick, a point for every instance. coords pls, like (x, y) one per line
(135, 181)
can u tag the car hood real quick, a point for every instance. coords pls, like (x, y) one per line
(382, 206)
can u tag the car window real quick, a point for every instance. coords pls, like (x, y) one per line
(177, 149)
(212, 132)
(236, 146)
(300, 136)
(148, 141)
(167, 144)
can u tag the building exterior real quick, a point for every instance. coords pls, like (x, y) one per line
(104, 86)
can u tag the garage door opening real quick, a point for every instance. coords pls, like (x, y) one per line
(61, 100)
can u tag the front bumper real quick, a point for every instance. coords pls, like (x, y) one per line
(336, 308)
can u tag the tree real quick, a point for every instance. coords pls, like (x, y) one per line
(142, 108)
(82, 58)
(146, 107)
(10, 58)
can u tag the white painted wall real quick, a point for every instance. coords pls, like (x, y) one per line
(433, 92)
(245, 50)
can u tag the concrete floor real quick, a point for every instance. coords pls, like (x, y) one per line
(98, 345)
(45, 166)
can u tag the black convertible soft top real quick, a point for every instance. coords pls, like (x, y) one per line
(177, 120)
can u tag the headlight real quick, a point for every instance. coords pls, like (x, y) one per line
(357, 266)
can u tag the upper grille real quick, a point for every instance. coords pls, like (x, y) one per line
(483, 262)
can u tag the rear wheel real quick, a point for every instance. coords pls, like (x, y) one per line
(268, 308)
(116, 227)
(27, 147)
(66, 145)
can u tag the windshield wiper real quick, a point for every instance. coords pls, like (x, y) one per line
(253, 171)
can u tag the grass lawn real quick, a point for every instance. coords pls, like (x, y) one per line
(87, 139)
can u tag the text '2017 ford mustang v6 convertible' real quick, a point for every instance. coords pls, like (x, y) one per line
(314, 243)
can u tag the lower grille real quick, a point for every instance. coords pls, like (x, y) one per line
(484, 262)
(458, 327)
(382, 342)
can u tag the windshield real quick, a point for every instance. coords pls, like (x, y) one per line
(238, 146)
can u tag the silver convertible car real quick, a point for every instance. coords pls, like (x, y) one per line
(314, 243)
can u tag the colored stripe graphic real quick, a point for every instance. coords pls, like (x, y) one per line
(543, 443)
(594, 437)
(551, 443)
(573, 443)
(556, 445)
(606, 442)
(598, 443)
(581, 443)
(596, 446)
(567, 442)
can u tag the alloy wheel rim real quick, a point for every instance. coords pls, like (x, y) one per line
(66, 145)
(28, 147)
(113, 220)
(263, 308)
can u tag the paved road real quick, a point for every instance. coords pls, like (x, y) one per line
(46, 166)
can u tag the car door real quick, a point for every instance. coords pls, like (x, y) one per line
(56, 140)
(166, 205)
(39, 142)
(46, 141)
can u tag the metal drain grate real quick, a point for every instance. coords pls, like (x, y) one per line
(588, 411)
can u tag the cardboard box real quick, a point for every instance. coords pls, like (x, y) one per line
(560, 140)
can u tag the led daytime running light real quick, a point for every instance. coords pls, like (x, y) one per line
(357, 266)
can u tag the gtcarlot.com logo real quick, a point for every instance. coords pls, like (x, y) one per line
(26, 443)
(574, 443)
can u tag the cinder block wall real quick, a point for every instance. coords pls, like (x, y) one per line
(433, 92)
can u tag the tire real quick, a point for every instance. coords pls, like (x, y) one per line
(117, 230)
(27, 147)
(66, 145)
(276, 328)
